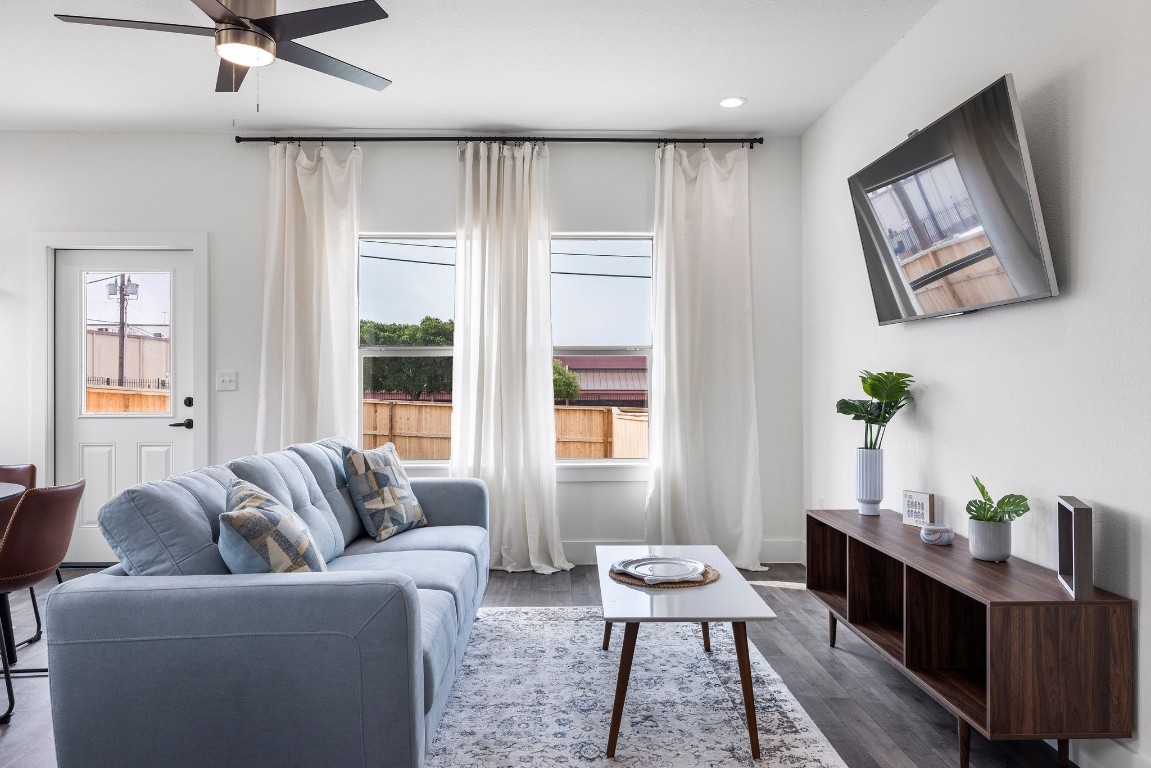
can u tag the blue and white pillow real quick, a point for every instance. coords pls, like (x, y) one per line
(258, 534)
(381, 491)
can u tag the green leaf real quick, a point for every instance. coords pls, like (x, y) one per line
(1012, 505)
(886, 387)
(982, 491)
(978, 509)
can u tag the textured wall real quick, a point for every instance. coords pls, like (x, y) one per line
(1045, 398)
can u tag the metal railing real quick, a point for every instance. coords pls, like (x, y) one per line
(108, 381)
(940, 225)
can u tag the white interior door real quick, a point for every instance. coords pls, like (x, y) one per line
(124, 405)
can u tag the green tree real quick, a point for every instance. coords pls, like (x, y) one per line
(565, 383)
(414, 376)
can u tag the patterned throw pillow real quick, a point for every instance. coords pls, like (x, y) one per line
(381, 491)
(260, 535)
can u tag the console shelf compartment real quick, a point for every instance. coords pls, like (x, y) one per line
(1000, 645)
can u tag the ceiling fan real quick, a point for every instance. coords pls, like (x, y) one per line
(249, 34)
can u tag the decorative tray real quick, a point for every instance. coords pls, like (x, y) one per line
(659, 569)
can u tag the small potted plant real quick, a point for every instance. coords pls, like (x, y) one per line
(886, 395)
(989, 529)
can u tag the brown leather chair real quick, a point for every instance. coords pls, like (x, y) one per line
(21, 474)
(32, 546)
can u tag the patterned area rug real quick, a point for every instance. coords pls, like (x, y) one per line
(536, 690)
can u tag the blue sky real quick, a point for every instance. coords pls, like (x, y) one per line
(611, 306)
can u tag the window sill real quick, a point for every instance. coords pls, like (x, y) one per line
(567, 471)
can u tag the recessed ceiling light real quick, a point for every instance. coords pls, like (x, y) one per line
(731, 102)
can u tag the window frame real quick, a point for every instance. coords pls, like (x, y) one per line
(569, 470)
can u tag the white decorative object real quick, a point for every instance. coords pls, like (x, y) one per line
(704, 461)
(657, 569)
(309, 346)
(918, 508)
(939, 535)
(869, 479)
(989, 541)
(503, 415)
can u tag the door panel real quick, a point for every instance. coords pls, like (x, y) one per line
(123, 348)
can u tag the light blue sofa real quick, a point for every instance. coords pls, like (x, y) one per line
(168, 659)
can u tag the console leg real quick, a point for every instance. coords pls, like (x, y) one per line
(606, 634)
(1064, 753)
(831, 624)
(706, 637)
(964, 744)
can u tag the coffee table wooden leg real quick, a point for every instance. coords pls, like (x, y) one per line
(630, 631)
(706, 637)
(606, 634)
(739, 629)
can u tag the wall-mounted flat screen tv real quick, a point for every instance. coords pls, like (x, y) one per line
(950, 220)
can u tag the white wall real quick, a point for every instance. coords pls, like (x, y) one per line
(1045, 398)
(207, 183)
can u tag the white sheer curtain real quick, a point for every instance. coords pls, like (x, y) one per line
(503, 423)
(704, 485)
(308, 358)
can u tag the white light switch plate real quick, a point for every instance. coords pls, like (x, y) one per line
(225, 381)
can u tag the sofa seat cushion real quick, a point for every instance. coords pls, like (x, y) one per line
(287, 478)
(169, 527)
(438, 630)
(449, 538)
(451, 572)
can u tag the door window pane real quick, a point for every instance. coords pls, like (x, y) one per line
(127, 343)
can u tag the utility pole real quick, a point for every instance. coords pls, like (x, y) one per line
(123, 298)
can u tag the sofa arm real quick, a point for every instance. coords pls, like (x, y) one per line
(452, 500)
(252, 670)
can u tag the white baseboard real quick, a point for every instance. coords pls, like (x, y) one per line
(770, 551)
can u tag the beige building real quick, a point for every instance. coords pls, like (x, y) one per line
(146, 358)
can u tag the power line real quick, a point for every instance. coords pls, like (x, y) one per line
(554, 253)
(445, 264)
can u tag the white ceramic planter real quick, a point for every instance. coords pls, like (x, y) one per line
(869, 479)
(989, 541)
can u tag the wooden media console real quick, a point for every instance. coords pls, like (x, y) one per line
(1002, 646)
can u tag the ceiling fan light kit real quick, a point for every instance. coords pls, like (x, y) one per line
(249, 33)
(245, 47)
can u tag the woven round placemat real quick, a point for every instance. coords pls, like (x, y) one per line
(710, 575)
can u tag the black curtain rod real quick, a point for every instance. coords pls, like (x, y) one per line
(543, 139)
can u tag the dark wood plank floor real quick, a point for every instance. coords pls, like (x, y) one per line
(871, 714)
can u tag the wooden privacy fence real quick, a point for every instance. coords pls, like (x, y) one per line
(121, 400)
(423, 430)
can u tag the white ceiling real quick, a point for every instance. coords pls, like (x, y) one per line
(480, 66)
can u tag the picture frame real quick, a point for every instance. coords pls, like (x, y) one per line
(918, 508)
(1076, 565)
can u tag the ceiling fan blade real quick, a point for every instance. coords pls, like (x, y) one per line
(229, 77)
(289, 26)
(155, 26)
(322, 62)
(218, 12)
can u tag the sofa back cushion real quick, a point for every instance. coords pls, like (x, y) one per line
(286, 477)
(325, 458)
(169, 527)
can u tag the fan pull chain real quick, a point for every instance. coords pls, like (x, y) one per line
(257, 91)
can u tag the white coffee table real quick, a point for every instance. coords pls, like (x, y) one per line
(730, 598)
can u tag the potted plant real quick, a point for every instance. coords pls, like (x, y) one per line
(989, 528)
(886, 395)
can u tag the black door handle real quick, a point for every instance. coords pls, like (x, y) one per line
(186, 424)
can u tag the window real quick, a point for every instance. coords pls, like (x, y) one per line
(601, 329)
